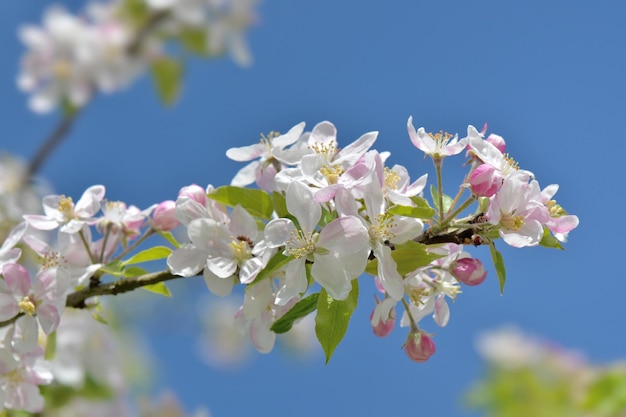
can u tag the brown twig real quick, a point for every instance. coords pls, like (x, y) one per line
(77, 299)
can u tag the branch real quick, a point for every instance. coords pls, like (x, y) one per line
(53, 140)
(77, 299)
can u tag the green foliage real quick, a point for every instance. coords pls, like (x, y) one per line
(256, 202)
(167, 76)
(51, 346)
(277, 262)
(606, 395)
(333, 317)
(136, 11)
(152, 254)
(408, 256)
(57, 395)
(301, 309)
(170, 238)
(194, 40)
(447, 200)
(549, 241)
(416, 212)
(280, 204)
(158, 288)
(498, 263)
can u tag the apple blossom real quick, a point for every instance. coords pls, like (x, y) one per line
(61, 212)
(469, 271)
(164, 216)
(338, 252)
(438, 145)
(419, 346)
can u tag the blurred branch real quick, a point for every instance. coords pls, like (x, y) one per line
(53, 140)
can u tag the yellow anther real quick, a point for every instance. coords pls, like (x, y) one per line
(66, 207)
(27, 306)
(332, 173)
(328, 150)
(240, 249)
(391, 179)
(301, 243)
(512, 222)
(51, 259)
(554, 209)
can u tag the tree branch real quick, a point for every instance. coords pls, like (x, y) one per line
(77, 299)
(53, 140)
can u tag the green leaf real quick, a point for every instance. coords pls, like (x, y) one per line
(498, 263)
(256, 202)
(280, 204)
(51, 346)
(333, 317)
(549, 241)
(114, 268)
(275, 263)
(135, 10)
(152, 254)
(301, 309)
(134, 271)
(194, 40)
(158, 288)
(408, 256)
(170, 238)
(416, 212)
(167, 75)
(606, 395)
(447, 200)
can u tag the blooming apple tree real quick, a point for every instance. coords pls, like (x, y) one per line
(302, 223)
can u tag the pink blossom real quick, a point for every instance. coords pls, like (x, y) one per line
(485, 180)
(419, 346)
(164, 216)
(469, 271)
(383, 317)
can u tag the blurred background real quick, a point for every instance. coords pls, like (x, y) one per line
(547, 76)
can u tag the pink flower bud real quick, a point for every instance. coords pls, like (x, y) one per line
(419, 346)
(164, 215)
(469, 271)
(485, 180)
(194, 192)
(497, 141)
(384, 327)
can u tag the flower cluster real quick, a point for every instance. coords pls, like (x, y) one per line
(70, 58)
(31, 304)
(321, 217)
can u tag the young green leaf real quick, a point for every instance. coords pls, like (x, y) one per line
(447, 200)
(498, 263)
(333, 317)
(256, 202)
(134, 271)
(170, 238)
(416, 212)
(408, 256)
(549, 241)
(167, 75)
(194, 40)
(152, 254)
(158, 288)
(275, 263)
(301, 309)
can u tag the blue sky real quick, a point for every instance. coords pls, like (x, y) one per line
(547, 76)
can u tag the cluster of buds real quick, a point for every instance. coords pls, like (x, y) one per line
(70, 58)
(321, 217)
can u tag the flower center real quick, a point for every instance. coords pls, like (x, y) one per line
(441, 139)
(391, 179)
(62, 69)
(66, 207)
(381, 227)
(51, 259)
(241, 248)
(27, 306)
(328, 150)
(554, 209)
(267, 139)
(301, 243)
(332, 173)
(512, 222)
